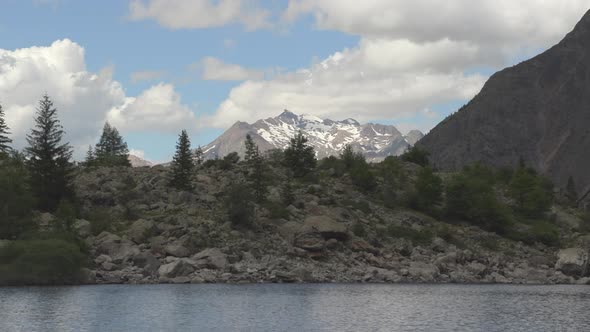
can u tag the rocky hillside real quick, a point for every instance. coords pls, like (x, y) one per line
(139, 162)
(537, 111)
(139, 230)
(328, 137)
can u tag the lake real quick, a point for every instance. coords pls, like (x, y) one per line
(296, 307)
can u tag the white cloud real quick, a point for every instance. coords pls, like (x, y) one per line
(229, 43)
(412, 55)
(213, 69)
(148, 75)
(360, 83)
(158, 108)
(200, 14)
(84, 99)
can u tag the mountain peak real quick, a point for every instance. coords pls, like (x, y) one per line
(328, 137)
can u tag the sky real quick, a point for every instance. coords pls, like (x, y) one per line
(154, 67)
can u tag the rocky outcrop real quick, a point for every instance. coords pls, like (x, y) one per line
(573, 262)
(536, 111)
(331, 233)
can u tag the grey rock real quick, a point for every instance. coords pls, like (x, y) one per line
(140, 230)
(211, 258)
(179, 268)
(573, 262)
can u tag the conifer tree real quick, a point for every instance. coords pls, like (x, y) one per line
(90, 157)
(182, 163)
(256, 169)
(48, 158)
(111, 150)
(199, 156)
(251, 148)
(299, 156)
(4, 131)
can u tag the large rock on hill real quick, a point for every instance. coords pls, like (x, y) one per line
(538, 110)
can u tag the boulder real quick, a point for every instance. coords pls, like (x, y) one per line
(572, 262)
(148, 262)
(112, 245)
(326, 226)
(179, 268)
(211, 258)
(313, 241)
(83, 228)
(176, 250)
(423, 271)
(140, 230)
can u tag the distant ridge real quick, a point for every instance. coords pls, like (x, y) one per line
(328, 137)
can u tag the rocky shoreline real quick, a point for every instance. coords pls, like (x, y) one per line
(330, 233)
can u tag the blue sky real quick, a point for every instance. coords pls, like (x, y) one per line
(405, 77)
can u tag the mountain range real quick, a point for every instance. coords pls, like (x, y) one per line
(537, 111)
(328, 137)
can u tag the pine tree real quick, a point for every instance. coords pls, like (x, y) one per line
(4, 131)
(182, 163)
(256, 169)
(199, 156)
(111, 150)
(299, 156)
(251, 148)
(48, 158)
(90, 157)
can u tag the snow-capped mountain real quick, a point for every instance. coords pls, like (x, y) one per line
(328, 137)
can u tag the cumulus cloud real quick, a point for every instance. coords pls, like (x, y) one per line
(84, 99)
(411, 56)
(213, 69)
(364, 83)
(200, 14)
(159, 108)
(137, 153)
(148, 75)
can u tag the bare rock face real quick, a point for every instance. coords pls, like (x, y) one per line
(573, 262)
(328, 137)
(538, 110)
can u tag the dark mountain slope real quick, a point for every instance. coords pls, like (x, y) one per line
(538, 110)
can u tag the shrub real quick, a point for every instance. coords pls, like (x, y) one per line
(471, 197)
(239, 205)
(229, 161)
(362, 177)
(41, 262)
(333, 164)
(359, 230)
(416, 155)
(299, 156)
(16, 199)
(428, 190)
(276, 210)
(531, 193)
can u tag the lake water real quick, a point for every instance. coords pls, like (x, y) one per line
(314, 307)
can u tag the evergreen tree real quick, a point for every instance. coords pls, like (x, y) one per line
(4, 131)
(256, 169)
(90, 157)
(48, 158)
(299, 156)
(199, 156)
(111, 150)
(251, 149)
(182, 163)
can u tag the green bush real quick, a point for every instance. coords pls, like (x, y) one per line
(333, 164)
(100, 221)
(41, 262)
(428, 190)
(277, 210)
(471, 197)
(532, 194)
(239, 205)
(16, 199)
(417, 156)
(359, 230)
